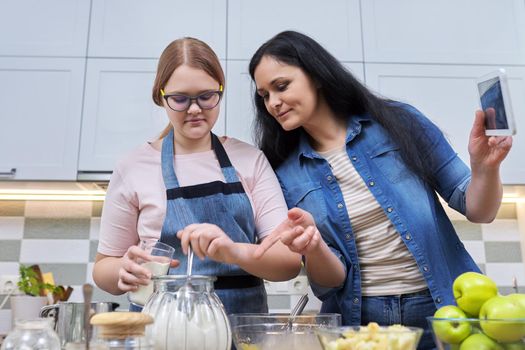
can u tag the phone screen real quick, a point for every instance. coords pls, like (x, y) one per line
(492, 104)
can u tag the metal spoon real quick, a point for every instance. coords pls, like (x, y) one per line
(185, 293)
(296, 311)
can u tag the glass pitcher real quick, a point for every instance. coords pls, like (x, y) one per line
(194, 319)
(35, 334)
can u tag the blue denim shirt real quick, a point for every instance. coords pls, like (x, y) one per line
(410, 204)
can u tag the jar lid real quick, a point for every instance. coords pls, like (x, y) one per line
(121, 324)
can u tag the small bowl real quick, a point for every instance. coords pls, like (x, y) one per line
(449, 333)
(272, 332)
(371, 337)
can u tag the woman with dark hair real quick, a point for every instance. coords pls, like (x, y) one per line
(368, 169)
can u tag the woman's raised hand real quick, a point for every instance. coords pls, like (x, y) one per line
(298, 232)
(486, 152)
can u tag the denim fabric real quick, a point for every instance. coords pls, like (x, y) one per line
(411, 205)
(408, 311)
(232, 212)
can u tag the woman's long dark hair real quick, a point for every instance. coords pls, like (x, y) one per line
(344, 94)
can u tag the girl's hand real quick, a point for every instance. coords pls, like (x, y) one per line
(298, 232)
(486, 152)
(131, 274)
(208, 240)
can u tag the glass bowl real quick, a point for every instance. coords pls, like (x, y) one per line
(473, 333)
(371, 337)
(274, 332)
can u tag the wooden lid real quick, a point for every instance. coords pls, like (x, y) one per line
(121, 324)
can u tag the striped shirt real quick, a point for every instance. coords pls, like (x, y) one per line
(386, 265)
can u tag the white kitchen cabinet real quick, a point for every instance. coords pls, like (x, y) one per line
(41, 101)
(447, 94)
(447, 31)
(44, 28)
(119, 113)
(335, 24)
(240, 110)
(142, 29)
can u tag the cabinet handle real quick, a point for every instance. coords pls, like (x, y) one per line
(8, 174)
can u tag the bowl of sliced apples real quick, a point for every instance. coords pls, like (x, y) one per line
(370, 337)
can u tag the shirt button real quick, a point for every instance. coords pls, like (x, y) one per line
(389, 209)
(356, 300)
(425, 268)
(371, 183)
(438, 300)
(340, 205)
(329, 178)
(354, 158)
(348, 236)
(408, 237)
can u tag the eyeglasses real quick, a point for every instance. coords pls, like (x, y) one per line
(180, 102)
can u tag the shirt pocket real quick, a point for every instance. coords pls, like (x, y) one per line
(387, 158)
(309, 196)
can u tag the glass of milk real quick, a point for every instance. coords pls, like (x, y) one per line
(158, 262)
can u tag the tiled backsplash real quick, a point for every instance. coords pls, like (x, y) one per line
(62, 238)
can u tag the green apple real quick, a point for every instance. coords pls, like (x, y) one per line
(519, 297)
(479, 342)
(514, 346)
(451, 332)
(471, 290)
(502, 307)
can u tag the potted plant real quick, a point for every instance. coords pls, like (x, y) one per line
(34, 297)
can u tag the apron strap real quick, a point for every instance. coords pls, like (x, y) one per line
(168, 171)
(167, 156)
(226, 166)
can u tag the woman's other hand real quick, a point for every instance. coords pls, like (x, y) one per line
(486, 152)
(298, 232)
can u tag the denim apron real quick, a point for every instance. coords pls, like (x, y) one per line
(224, 204)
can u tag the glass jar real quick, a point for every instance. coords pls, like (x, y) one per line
(121, 330)
(36, 334)
(187, 318)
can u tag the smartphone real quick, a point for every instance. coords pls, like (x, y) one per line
(495, 102)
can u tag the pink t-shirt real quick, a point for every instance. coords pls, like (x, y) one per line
(135, 203)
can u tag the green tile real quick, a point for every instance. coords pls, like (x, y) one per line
(66, 274)
(49, 228)
(93, 246)
(12, 208)
(10, 250)
(468, 231)
(503, 252)
(96, 210)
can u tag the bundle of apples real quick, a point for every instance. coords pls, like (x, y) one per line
(492, 321)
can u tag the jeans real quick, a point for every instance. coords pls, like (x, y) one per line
(407, 309)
